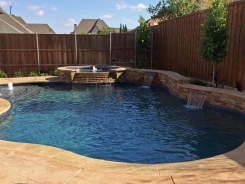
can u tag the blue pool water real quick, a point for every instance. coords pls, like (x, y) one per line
(124, 123)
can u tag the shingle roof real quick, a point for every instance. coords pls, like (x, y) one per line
(90, 26)
(40, 28)
(15, 24)
(19, 19)
(6, 28)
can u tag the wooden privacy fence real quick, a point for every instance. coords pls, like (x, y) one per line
(30, 52)
(174, 48)
(178, 41)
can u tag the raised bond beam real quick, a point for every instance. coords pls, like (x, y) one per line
(177, 84)
(88, 74)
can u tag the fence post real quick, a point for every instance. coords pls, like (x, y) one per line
(38, 57)
(76, 49)
(110, 48)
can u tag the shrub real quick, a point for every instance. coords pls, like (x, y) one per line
(18, 74)
(56, 73)
(33, 74)
(44, 74)
(3, 74)
(198, 82)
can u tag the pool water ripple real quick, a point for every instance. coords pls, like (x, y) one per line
(119, 123)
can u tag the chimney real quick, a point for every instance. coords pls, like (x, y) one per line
(10, 9)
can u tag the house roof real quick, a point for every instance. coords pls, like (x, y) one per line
(90, 26)
(6, 28)
(15, 24)
(19, 19)
(40, 28)
(117, 30)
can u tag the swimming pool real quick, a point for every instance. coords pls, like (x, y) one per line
(123, 123)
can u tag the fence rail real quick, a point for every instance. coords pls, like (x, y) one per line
(44, 52)
(174, 47)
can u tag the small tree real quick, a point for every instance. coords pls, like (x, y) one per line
(83, 32)
(215, 36)
(120, 28)
(123, 28)
(143, 42)
(106, 30)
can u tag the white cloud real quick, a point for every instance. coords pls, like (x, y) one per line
(121, 5)
(33, 7)
(107, 16)
(4, 3)
(40, 13)
(70, 22)
(54, 8)
(139, 7)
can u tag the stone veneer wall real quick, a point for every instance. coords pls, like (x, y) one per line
(180, 86)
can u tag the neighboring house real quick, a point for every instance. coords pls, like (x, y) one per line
(15, 24)
(91, 26)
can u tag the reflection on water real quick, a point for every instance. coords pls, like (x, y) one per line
(120, 123)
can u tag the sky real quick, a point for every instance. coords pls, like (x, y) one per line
(61, 15)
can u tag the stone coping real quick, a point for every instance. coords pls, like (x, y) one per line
(21, 80)
(77, 69)
(232, 92)
(170, 74)
(4, 106)
(180, 86)
(228, 167)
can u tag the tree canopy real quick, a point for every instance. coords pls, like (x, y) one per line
(123, 28)
(215, 36)
(106, 30)
(143, 42)
(168, 9)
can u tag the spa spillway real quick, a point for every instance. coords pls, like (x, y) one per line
(90, 74)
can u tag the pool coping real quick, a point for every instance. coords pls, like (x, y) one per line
(228, 167)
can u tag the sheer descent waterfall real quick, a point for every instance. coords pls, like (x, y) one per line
(196, 98)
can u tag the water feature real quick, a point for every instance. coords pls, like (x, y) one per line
(10, 86)
(94, 69)
(118, 123)
(196, 99)
(148, 79)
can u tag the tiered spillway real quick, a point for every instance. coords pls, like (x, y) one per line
(90, 74)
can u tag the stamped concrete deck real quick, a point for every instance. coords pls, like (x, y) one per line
(30, 163)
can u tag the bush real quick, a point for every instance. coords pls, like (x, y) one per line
(3, 74)
(198, 82)
(18, 74)
(44, 74)
(56, 73)
(33, 74)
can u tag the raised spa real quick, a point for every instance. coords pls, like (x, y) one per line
(98, 74)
